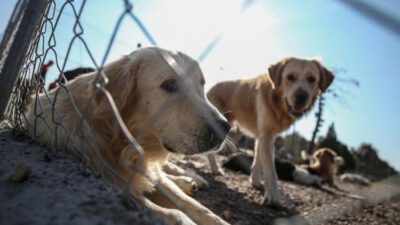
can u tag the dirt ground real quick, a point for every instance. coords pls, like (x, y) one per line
(382, 213)
(60, 190)
(232, 197)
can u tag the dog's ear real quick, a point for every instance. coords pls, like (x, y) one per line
(318, 154)
(122, 81)
(329, 154)
(331, 157)
(325, 76)
(275, 73)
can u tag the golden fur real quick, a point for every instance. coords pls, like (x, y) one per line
(326, 163)
(267, 105)
(160, 109)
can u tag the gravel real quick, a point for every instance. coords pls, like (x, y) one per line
(231, 194)
(53, 188)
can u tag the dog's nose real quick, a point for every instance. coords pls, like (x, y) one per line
(220, 129)
(217, 133)
(301, 98)
(224, 128)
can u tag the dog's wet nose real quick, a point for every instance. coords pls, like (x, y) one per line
(301, 98)
(218, 133)
(224, 128)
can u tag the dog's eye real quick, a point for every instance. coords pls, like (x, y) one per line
(310, 80)
(291, 77)
(170, 86)
(202, 82)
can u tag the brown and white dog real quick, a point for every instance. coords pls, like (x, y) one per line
(325, 163)
(267, 105)
(164, 110)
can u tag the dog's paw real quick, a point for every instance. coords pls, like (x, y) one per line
(256, 179)
(256, 183)
(200, 181)
(272, 199)
(187, 185)
(179, 218)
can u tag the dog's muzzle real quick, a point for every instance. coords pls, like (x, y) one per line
(296, 112)
(214, 136)
(300, 104)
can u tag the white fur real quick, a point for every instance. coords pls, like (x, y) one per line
(302, 176)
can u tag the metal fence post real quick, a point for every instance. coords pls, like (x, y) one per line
(13, 22)
(19, 46)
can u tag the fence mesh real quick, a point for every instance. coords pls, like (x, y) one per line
(31, 85)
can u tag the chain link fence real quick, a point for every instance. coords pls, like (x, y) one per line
(30, 41)
(37, 22)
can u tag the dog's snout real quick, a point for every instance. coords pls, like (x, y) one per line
(301, 98)
(218, 124)
(215, 135)
(220, 130)
(223, 128)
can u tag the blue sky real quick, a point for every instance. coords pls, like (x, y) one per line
(253, 35)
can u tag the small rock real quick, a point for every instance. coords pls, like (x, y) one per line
(21, 172)
(227, 214)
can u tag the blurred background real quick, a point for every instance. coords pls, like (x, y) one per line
(235, 39)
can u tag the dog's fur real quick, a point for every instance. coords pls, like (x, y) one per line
(163, 110)
(267, 105)
(325, 163)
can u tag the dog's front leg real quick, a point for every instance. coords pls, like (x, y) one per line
(265, 156)
(193, 209)
(227, 148)
(215, 168)
(170, 216)
(256, 169)
(172, 169)
(187, 184)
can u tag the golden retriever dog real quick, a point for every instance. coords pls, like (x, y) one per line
(325, 163)
(164, 110)
(267, 105)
